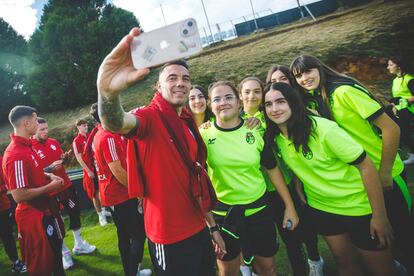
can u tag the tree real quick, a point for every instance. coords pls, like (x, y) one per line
(71, 41)
(12, 70)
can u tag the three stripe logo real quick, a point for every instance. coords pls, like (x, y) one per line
(160, 255)
(18, 171)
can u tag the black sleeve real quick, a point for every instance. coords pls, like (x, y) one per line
(359, 159)
(376, 114)
(267, 159)
(411, 86)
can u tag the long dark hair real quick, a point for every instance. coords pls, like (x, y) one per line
(282, 68)
(328, 77)
(300, 123)
(404, 64)
(208, 113)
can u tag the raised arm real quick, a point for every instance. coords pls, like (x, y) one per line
(115, 74)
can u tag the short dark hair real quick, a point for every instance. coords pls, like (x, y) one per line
(180, 62)
(81, 122)
(41, 120)
(20, 111)
(94, 112)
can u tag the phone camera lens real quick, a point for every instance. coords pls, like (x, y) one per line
(185, 32)
(190, 23)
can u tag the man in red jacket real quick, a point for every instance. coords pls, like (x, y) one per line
(40, 227)
(169, 157)
(6, 229)
(51, 160)
(78, 145)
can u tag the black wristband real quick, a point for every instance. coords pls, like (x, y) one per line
(214, 229)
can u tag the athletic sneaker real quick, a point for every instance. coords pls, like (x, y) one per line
(409, 160)
(245, 270)
(102, 219)
(67, 260)
(316, 267)
(106, 213)
(401, 270)
(83, 248)
(18, 267)
(144, 272)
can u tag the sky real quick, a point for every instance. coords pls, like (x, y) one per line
(24, 15)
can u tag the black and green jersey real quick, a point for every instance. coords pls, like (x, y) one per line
(401, 89)
(234, 162)
(354, 109)
(330, 182)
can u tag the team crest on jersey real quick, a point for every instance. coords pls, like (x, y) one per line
(35, 161)
(307, 153)
(250, 138)
(211, 141)
(53, 147)
(49, 230)
(40, 153)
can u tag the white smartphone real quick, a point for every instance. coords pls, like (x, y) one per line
(172, 42)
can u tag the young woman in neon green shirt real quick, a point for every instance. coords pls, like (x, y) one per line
(234, 162)
(403, 99)
(342, 186)
(344, 100)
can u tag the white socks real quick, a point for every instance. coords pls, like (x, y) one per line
(77, 236)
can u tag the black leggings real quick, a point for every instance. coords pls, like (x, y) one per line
(131, 234)
(293, 239)
(406, 123)
(6, 234)
(402, 221)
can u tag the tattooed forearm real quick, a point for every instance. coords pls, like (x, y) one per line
(111, 113)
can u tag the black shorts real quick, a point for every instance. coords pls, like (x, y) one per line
(189, 257)
(357, 227)
(260, 237)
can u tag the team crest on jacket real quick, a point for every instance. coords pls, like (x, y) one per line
(307, 153)
(53, 147)
(250, 138)
(49, 230)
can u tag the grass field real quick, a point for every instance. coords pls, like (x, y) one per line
(106, 261)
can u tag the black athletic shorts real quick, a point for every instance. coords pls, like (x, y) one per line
(357, 227)
(260, 237)
(190, 257)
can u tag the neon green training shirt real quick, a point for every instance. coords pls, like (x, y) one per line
(331, 184)
(234, 163)
(400, 89)
(354, 110)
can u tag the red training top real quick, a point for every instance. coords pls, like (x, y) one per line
(4, 200)
(108, 147)
(171, 213)
(49, 152)
(79, 143)
(21, 168)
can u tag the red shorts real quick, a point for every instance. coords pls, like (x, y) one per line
(35, 247)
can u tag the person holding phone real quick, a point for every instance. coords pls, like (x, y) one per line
(234, 161)
(344, 195)
(39, 223)
(344, 100)
(51, 157)
(176, 191)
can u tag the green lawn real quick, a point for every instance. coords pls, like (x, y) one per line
(106, 260)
